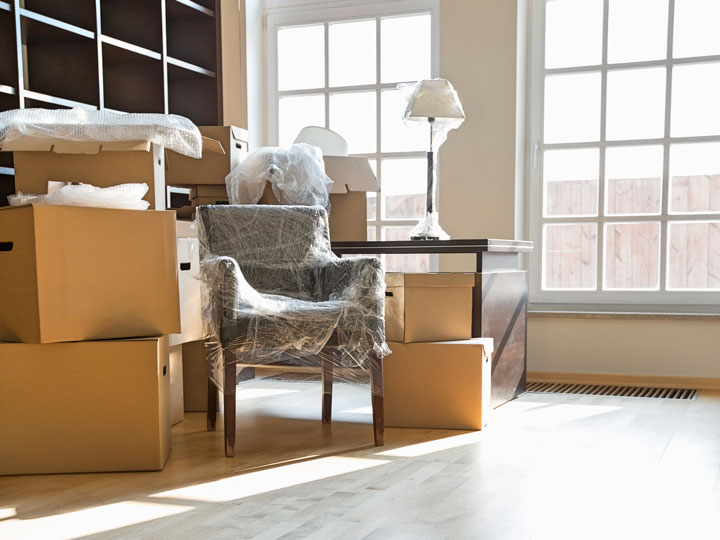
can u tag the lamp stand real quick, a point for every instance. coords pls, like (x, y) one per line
(429, 228)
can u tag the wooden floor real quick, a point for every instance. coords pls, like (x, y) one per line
(548, 467)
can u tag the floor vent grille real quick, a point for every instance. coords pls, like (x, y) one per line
(607, 390)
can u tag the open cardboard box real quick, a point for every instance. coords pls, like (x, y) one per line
(353, 179)
(39, 161)
(70, 273)
(214, 166)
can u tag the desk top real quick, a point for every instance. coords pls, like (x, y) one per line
(478, 245)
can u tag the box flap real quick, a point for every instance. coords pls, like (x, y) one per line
(350, 174)
(439, 279)
(239, 133)
(213, 145)
(71, 147)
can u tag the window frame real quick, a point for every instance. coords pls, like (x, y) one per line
(599, 299)
(284, 13)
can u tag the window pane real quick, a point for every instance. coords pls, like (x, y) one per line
(372, 197)
(632, 255)
(405, 48)
(572, 108)
(636, 104)
(404, 188)
(297, 112)
(633, 180)
(695, 178)
(695, 103)
(631, 19)
(396, 135)
(352, 53)
(352, 115)
(571, 182)
(372, 233)
(301, 57)
(570, 255)
(403, 263)
(696, 28)
(573, 33)
(694, 257)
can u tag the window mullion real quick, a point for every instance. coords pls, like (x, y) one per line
(664, 226)
(378, 149)
(326, 90)
(600, 234)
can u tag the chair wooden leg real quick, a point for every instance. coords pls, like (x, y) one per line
(211, 405)
(229, 396)
(376, 387)
(327, 386)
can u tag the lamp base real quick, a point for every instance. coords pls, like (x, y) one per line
(429, 229)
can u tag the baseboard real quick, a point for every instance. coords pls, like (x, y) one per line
(659, 381)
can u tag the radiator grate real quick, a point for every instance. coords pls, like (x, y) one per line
(609, 390)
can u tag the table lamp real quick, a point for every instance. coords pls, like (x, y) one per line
(434, 101)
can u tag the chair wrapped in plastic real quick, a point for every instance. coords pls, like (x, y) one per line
(274, 293)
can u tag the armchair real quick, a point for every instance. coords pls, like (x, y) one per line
(274, 293)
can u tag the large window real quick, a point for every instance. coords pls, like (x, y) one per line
(625, 151)
(341, 70)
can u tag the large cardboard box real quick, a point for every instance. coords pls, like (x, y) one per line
(89, 406)
(353, 178)
(72, 273)
(214, 166)
(189, 284)
(195, 377)
(39, 161)
(442, 385)
(428, 307)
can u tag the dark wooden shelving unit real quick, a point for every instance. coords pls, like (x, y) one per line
(158, 56)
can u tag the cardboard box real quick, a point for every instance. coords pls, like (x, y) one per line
(219, 192)
(202, 201)
(175, 363)
(353, 179)
(442, 385)
(214, 166)
(38, 162)
(70, 273)
(91, 406)
(191, 325)
(428, 307)
(195, 376)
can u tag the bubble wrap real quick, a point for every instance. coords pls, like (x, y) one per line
(80, 125)
(296, 174)
(273, 292)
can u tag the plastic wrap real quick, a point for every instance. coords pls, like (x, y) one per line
(274, 293)
(437, 99)
(174, 132)
(125, 196)
(296, 174)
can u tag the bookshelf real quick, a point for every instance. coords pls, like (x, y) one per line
(160, 56)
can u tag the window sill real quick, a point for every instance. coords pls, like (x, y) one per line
(623, 315)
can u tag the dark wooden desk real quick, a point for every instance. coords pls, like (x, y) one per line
(499, 299)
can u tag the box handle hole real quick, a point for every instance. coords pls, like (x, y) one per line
(184, 267)
(164, 370)
(6, 246)
(388, 293)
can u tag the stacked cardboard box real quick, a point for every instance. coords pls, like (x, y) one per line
(436, 376)
(88, 297)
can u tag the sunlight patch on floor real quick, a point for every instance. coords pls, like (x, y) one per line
(255, 483)
(255, 393)
(360, 410)
(6, 513)
(429, 447)
(89, 521)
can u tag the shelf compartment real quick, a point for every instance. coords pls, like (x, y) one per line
(193, 95)
(132, 82)
(8, 50)
(80, 13)
(207, 7)
(60, 63)
(8, 99)
(191, 35)
(138, 22)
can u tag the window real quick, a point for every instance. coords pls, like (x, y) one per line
(625, 152)
(340, 69)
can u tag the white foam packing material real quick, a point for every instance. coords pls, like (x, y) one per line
(171, 131)
(296, 174)
(124, 196)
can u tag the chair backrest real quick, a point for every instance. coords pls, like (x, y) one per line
(276, 247)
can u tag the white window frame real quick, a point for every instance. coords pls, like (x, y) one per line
(283, 13)
(598, 299)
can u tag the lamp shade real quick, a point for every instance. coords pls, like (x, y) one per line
(434, 98)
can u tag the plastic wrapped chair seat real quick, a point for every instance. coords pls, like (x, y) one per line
(274, 293)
